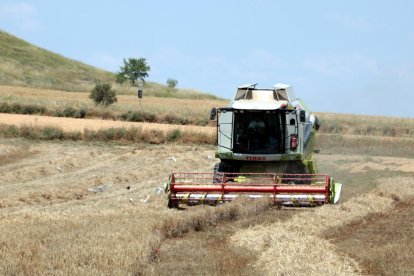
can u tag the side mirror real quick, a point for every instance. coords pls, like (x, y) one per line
(302, 116)
(213, 114)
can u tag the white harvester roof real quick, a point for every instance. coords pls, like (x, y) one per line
(250, 97)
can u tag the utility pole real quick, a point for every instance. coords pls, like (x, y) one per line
(140, 91)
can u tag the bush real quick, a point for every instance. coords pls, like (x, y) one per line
(132, 116)
(135, 116)
(389, 131)
(173, 119)
(174, 135)
(73, 135)
(16, 108)
(29, 132)
(153, 137)
(108, 115)
(182, 121)
(69, 112)
(149, 117)
(202, 122)
(5, 108)
(51, 133)
(112, 134)
(10, 131)
(172, 83)
(133, 134)
(58, 113)
(22, 109)
(81, 113)
(32, 109)
(169, 119)
(103, 94)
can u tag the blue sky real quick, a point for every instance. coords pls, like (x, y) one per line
(340, 56)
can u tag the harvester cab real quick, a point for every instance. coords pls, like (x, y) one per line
(265, 143)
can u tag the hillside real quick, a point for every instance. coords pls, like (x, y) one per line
(24, 64)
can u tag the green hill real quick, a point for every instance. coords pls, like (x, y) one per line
(24, 64)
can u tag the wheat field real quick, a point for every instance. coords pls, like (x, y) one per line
(92, 207)
(51, 223)
(71, 124)
(54, 99)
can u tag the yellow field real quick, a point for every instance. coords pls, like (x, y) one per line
(53, 99)
(194, 111)
(71, 124)
(52, 222)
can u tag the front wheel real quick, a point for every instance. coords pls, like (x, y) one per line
(220, 169)
(218, 175)
(172, 202)
(295, 174)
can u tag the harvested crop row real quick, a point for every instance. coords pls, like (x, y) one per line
(71, 124)
(280, 245)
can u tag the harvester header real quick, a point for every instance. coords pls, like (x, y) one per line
(203, 188)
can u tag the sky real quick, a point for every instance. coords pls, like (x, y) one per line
(340, 56)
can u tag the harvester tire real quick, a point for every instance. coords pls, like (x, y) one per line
(172, 203)
(219, 169)
(295, 170)
(292, 180)
(218, 174)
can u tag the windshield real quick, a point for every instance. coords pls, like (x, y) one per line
(258, 132)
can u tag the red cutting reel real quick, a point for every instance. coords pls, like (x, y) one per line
(303, 190)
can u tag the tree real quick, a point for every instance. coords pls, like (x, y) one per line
(172, 83)
(103, 94)
(133, 70)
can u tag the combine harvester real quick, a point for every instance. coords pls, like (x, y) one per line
(265, 143)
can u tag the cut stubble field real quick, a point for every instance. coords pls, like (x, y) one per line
(50, 223)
